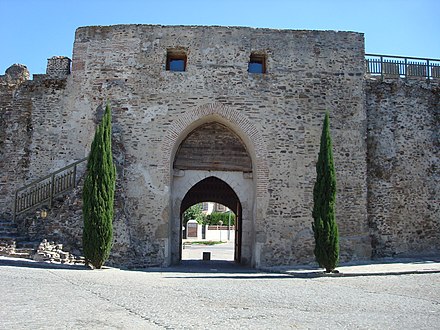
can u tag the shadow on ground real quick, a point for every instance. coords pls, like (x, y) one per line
(228, 269)
(26, 263)
(212, 269)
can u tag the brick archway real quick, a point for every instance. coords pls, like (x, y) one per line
(234, 119)
(251, 188)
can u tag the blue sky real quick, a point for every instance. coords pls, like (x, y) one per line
(33, 30)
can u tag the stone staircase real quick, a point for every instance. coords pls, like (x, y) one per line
(44, 193)
(14, 245)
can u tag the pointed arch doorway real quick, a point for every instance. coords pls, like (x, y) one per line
(213, 189)
(212, 163)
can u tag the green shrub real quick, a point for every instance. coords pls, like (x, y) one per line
(98, 196)
(194, 213)
(215, 217)
(324, 197)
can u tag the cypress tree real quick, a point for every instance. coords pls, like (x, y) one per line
(324, 197)
(98, 195)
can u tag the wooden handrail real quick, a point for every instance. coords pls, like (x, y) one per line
(46, 189)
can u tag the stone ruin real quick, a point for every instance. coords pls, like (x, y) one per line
(185, 93)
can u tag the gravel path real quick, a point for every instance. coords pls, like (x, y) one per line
(211, 296)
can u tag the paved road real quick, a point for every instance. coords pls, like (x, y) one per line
(211, 295)
(224, 251)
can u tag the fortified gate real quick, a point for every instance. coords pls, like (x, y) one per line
(230, 115)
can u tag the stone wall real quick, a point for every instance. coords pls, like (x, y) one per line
(308, 72)
(15, 134)
(386, 205)
(36, 130)
(58, 67)
(35, 140)
(403, 167)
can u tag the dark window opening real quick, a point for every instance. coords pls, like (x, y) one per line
(176, 61)
(257, 63)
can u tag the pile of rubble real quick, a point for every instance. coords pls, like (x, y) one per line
(52, 252)
(7, 247)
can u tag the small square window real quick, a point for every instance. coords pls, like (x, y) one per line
(177, 65)
(176, 61)
(257, 63)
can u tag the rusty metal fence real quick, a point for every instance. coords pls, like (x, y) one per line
(399, 66)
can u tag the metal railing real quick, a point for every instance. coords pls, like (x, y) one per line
(399, 66)
(46, 189)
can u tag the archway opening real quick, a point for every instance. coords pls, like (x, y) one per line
(215, 191)
(212, 163)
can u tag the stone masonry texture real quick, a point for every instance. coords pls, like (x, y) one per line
(385, 138)
(403, 167)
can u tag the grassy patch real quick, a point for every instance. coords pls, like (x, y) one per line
(204, 242)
